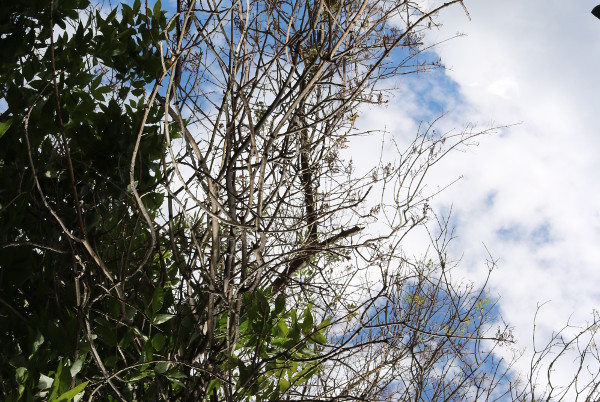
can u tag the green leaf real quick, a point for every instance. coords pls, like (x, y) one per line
(319, 338)
(175, 375)
(118, 49)
(96, 82)
(283, 327)
(21, 374)
(62, 380)
(147, 356)
(157, 8)
(111, 16)
(39, 340)
(305, 374)
(45, 382)
(126, 11)
(160, 318)
(100, 91)
(279, 305)
(245, 373)
(4, 126)
(72, 393)
(283, 385)
(213, 386)
(307, 324)
(162, 367)
(110, 361)
(56, 383)
(130, 312)
(158, 299)
(158, 341)
(76, 367)
(141, 375)
(324, 324)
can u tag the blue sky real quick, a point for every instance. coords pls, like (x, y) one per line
(530, 192)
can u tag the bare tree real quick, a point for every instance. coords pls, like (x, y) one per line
(564, 368)
(266, 95)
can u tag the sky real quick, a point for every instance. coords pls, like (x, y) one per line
(530, 193)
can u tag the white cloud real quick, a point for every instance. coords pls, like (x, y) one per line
(530, 193)
(504, 87)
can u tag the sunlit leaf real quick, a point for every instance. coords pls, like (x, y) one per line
(71, 393)
(4, 126)
(160, 318)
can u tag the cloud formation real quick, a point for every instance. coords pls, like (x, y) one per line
(531, 193)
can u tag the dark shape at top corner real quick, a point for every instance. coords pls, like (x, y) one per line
(596, 11)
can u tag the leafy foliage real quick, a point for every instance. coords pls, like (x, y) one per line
(71, 320)
(50, 287)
